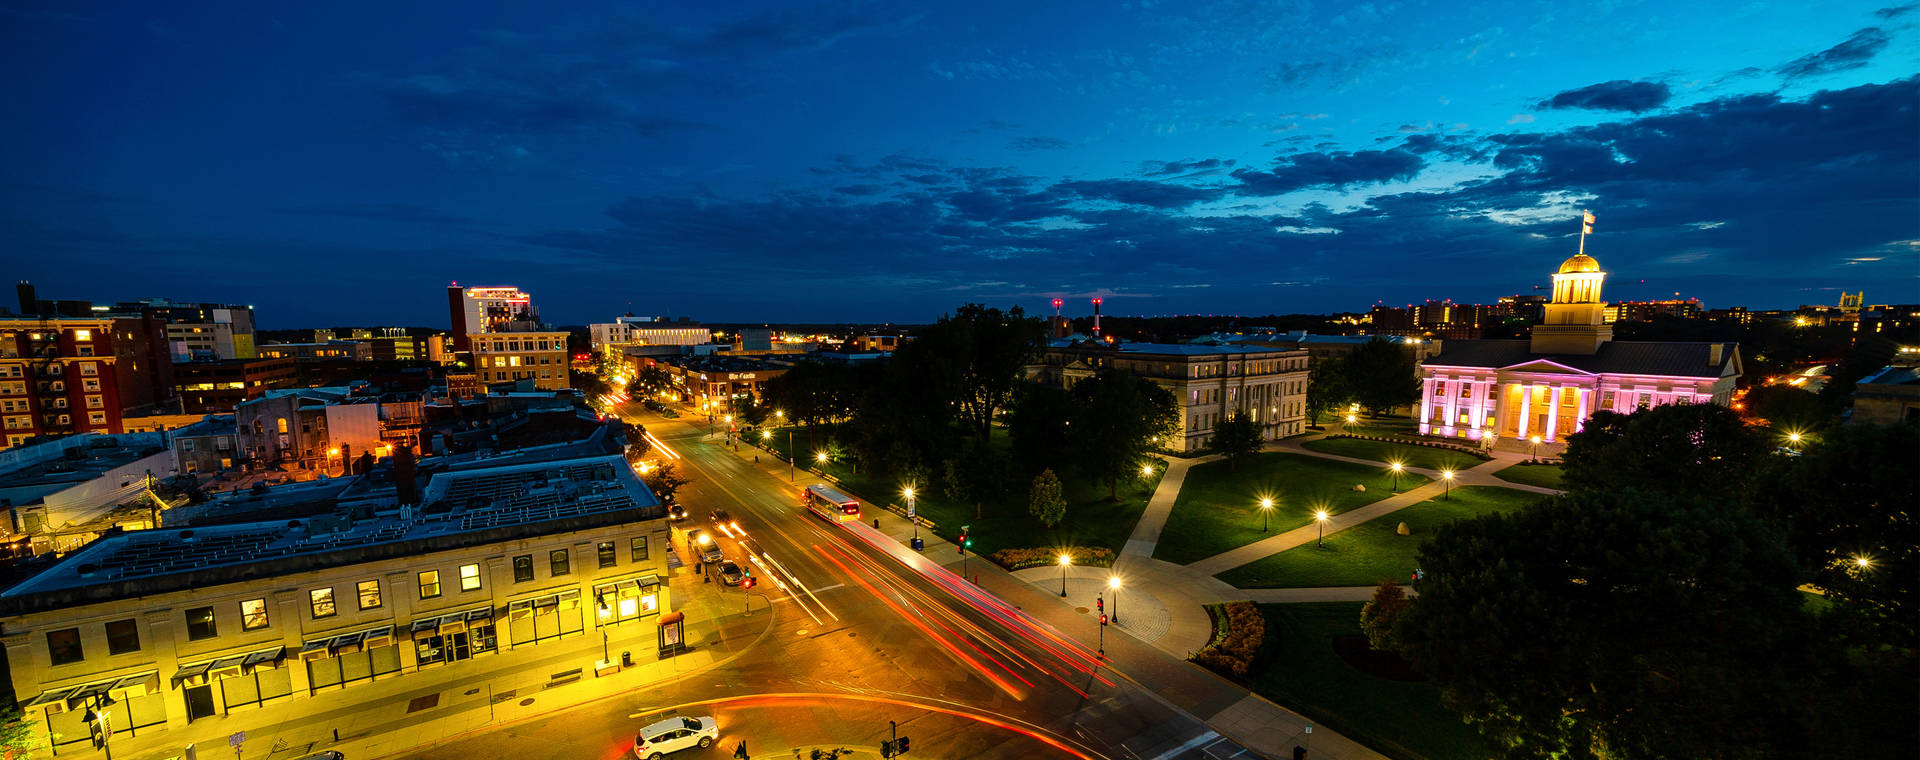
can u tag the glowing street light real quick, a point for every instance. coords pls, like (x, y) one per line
(1793, 440)
(1862, 562)
(908, 492)
(1065, 560)
(1446, 485)
(1396, 467)
(1146, 471)
(1113, 584)
(1266, 508)
(1321, 517)
(1533, 451)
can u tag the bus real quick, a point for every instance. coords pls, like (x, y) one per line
(830, 503)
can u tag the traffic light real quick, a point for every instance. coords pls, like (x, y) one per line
(1100, 604)
(1103, 618)
(747, 583)
(900, 747)
(963, 541)
(886, 749)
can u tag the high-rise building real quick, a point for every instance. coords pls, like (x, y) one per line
(474, 311)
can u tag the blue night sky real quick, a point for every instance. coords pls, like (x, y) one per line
(339, 163)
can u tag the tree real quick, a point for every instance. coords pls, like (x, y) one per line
(1381, 376)
(653, 378)
(1119, 414)
(987, 351)
(1039, 424)
(1045, 501)
(978, 475)
(1328, 388)
(663, 481)
(1787, 408)
(1237, 437)
(1617, 624)
(1382, 613)
(17, 735)
(1702, 450)
(751, 411)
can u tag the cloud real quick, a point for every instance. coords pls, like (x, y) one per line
(1617, 95)
(1894, 12)
(384, 212)
(1520, 118)
(1161, 195)
(1026, 144)
(1173, 168)
(1335, 170)
(1852, 53)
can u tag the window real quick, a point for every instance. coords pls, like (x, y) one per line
(123, 636)
(557, 559)
(97, 418)
(200, 623)
(469, 577)
(253, 614)
(429, 584)
(523, 568)
(369, 594)
(63, 646)
(83, 335)
(605, 552)
(322, 599)
(639, 548)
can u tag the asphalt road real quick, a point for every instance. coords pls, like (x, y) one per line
(864, 632)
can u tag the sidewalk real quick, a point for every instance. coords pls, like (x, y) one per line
(415, 710)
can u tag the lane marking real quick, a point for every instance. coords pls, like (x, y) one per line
(1195, 742)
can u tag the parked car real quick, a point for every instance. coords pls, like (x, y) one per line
(730, 573)
(673, 735)
(676, 512)
(703, 546)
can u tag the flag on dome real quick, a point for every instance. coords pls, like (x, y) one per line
(1586, 223)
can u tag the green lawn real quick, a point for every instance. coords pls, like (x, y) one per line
(1547, 475)
(1374, 551)
(1405, 453)
(1387, 426)
(1091, 520)
(1298, 668)
(1218, 508)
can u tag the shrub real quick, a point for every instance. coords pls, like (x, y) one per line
(1378, 616)
(1238, 629)
(1021, 559)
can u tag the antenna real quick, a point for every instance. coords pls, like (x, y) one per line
(1096, 317)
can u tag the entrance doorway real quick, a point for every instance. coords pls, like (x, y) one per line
(200, 702)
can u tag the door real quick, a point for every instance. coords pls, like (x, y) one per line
(200, 702)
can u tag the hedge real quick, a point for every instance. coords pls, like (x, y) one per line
(1467, 450)
(1021, 559)
(1238, 629)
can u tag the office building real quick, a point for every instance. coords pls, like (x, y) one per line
(629, 330)
(1210, 382)
(536, 355)
(66, 375)
(332, 350)
(475, 311)
(208, 387)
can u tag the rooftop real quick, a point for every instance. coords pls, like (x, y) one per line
(1163, 349)
(485, 504)
(1629, 357)
(79, 465)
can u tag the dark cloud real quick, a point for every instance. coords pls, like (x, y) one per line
(1852, 53)
(1161, 195)
(384, 212)
(1173, 168)
(1038, 143)
(1617, 95)
(1894, 12)
(1336, 170)
(1456, 147)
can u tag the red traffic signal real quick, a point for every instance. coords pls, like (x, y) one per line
(900, 747)
(1100, 603)
(1103, 618)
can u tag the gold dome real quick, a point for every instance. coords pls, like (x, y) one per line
(1579, 263)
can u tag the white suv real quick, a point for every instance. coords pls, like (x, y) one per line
(673, 735)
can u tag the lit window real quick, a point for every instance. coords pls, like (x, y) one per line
(369, 594)
(322, 599)
(469, 577)
(83, 335)
(429, 584)
(253, 615)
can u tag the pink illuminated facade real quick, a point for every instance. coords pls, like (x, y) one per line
(1547, 387)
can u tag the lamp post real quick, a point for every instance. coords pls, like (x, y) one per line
(789, 455)
(1065, 560)
(1113, 584)
(1321, 518)
(1446, 485)
(1397, 467)
(1266, 508)
(98, 721)
(910, 513)
(1533, 449)
(1793, 440)
(606, 654)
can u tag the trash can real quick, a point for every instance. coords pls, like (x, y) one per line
(1299, 752)
(919, 544)
(626, 659)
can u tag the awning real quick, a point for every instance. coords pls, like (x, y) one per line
(570, 599)
(318, 649)
(226, 667)
(482, 616)
(138, 685)
(347, 644)
(89, 691)
(191, 675)
(519, 609)
(54, 697)
(453, 624)
(427, 627)
(265, 659)
(378, 637)
(672, 617)
(649, 579)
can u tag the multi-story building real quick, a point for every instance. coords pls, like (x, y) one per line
(474, 311)
(218, 386)
(716, 384)
(629, 330)
(1210, 382)
(1889, 396)
(64, 375)
(324, 429)
(199, 331)
(505, 357)
(332, 350)
(203, 632)
(208, 446)
(1547, 387)
(1644, 311)
(63, 492)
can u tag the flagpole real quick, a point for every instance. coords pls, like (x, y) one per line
(1583, 231)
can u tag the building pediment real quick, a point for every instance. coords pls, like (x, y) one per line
(1545, 367)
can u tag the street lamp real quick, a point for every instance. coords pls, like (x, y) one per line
(1533, 451)
(606, 654)
(97, 722)
(1446, 485)
(1397, 467)
(1266, 508)
(1862, 562)
(1793, 440)
(1146, 471)
(820, 456)
(1113, 584)
(1321, 517)
(908, 491)
(1065, 560)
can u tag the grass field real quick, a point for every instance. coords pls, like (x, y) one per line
(1547, 475)
(1298, 668)
(1373, 551)
(1405, 453)
(1218, 508)
(1091, 519)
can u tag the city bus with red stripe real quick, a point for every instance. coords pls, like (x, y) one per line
(831, 503)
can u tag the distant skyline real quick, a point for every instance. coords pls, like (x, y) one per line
(339, 164)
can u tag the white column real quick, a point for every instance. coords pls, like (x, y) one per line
(1526, 404)
(1553, 410)
(1426, 404)
(1453, 406)
(1580, 417)
(1478, 397)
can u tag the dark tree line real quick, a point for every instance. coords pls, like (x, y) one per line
(1378, 376)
